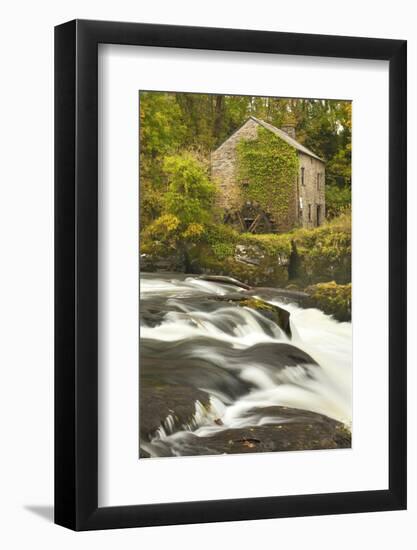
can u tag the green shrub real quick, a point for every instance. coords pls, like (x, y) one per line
(222, 251)
(270, 244)
(220, 233)
(324, 253)
(190, 192)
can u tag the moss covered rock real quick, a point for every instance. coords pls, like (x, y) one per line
(322, 254)
(331, 298)
(302, 257)
(277, 314)
(158, 256)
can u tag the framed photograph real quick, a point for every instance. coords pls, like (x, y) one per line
(230, 252)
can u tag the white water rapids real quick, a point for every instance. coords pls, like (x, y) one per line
(324, 389)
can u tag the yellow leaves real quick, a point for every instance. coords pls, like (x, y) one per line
(162, 226)
(249, 442)
(170, 221)
(193, 230)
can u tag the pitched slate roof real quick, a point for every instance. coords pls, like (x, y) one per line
(283, 135)
(280, 133)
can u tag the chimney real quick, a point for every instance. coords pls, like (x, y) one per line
(289, 128)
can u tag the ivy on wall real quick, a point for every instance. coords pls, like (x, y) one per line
(267, 170)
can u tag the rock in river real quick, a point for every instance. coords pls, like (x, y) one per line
(292, 430)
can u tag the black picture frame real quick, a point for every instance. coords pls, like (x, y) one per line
(76, 272)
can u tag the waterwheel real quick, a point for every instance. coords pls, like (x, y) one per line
(250, 218)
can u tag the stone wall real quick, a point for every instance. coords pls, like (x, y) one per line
(224, 166)
(312, 192)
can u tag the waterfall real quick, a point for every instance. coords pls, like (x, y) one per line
(245, 363)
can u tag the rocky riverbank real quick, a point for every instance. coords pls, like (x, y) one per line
(316, 262)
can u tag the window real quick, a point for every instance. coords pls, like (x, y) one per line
(302, 175)
(318, 216)
(318, 181)
(309, 212)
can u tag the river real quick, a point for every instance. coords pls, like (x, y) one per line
(250, 374)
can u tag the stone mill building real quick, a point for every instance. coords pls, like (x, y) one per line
(306, 199)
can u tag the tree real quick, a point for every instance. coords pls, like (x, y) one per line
(174, 122)
(187, 204)
(161, 132)
(338, 200)
(190, 192)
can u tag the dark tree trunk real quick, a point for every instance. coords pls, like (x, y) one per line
(294, 263)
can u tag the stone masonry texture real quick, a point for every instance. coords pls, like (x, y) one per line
(307, 207)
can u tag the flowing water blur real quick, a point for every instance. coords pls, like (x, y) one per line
(238, 340)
